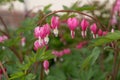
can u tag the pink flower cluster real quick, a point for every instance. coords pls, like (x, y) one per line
(42, 32)
(115, 10)
(3, 38)
(116, 7)
(62, 52)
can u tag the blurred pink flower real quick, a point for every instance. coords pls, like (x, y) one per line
(93, 29)
(81, 44)
(55, 24)
(46, 66)
(58, 53)
(72, 24)
(38, 45)
(42, 34)
(37, 32)
(23, 41)
(100, 32)
(116, 7)
(67, 51)
(113, 20)
(105, 33)
(84, 24)
(3, 38)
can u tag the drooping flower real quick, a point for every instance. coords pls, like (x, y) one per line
(93, 29)
(113, 20)
(84, 25)
(72, 24)
(116, 7)
(42, 33)
(55, 24)
(3, 38)
(38, 45)
(46, 66)
(112, 30)
(67, 51)
(58, 53)
(81, 44)
(105, 33)
(100, 32)
(37, 32)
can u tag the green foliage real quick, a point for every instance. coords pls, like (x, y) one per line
(90, 60)
(106, 39)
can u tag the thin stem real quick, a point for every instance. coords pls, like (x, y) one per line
(101, 62)
(42, 72)
(115, 65)
(111, 15)
(1, 31)
(4, 71)
(94, 18)
(16, 53)
(5, 26)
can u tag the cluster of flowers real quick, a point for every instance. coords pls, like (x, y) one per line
(57, 54)
(42, 34)
(62, 52)
(115, 11)
(3, 38)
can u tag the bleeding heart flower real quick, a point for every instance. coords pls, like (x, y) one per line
(100, 32)
(46, 66)
(93, 29)
(72, 24)
(38, 45)
(84, 25)
(67, 51)
(55, 24)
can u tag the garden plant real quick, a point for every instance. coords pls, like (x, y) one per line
(70, 44)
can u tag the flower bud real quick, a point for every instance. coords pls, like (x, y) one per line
(46, 66)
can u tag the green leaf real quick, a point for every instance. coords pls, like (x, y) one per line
(17, 75)
(106, 39)
(65, 7)
(30, 77)
(47, 7)
(85, 7)
(90, 60)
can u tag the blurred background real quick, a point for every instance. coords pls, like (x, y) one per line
(14, 11)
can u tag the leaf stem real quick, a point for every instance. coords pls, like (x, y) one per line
(4, 71)
(42, 72)
(5, 26)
